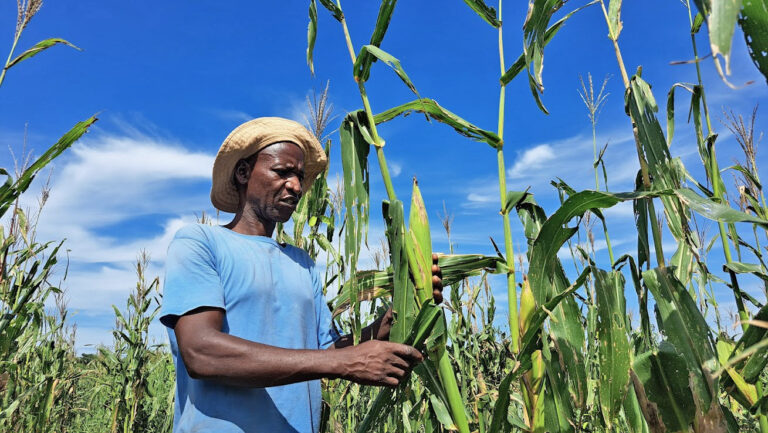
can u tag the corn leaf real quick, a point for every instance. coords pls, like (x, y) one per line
(566, 326)
(484, 11)
(660, 379)
(335, 11)
(11, 189)
(37, 49)
(374, 284)
(686, 329)
(363, 70)
(721, 23)
(634, 415)
(744, 393)
(529, 343)
(754, 23)
(403, 304)
(613, 347)
(311, 34)
(420, 330)
(355, 147)
(435, 111)
(385, 57)
(614, 19)
(557, 411)
(753, 335)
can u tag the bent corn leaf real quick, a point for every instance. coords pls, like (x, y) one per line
(435, 111)
(486, 12)
(335, 11)
(311, 34)
(382, 24)
(38, 48)
(387, 58)
(721, 23)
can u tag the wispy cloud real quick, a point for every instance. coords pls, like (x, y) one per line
(531, 160)
(111, 197)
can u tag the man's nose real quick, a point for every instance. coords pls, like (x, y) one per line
(294, 185)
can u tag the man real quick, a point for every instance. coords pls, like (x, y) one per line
(246, 316)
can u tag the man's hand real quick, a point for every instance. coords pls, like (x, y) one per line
(383, 324)
(379, 363)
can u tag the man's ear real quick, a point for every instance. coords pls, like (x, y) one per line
(242, 172)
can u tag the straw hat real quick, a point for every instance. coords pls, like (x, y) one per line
(249, 138)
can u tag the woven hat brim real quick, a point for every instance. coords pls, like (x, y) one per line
(249, 138)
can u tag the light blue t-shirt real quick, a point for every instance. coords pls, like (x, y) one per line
(271, 294)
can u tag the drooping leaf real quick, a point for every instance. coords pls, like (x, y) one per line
(747, 268)
(435, 111)
(311, 34)
(520, 64)
(382, 24)
(614, 19)
(335, 11)
(721, 23)
(38, 48)
(385, 57)
(484, 11)
(355, 146)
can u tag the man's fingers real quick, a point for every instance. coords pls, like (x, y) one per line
(408, 353)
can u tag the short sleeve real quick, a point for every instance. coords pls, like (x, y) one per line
(326, 333)
(191, 278)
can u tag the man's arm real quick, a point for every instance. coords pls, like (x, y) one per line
(210, 354)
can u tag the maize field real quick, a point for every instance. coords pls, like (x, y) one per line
(567, 357)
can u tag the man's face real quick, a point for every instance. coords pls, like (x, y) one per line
(274, 186)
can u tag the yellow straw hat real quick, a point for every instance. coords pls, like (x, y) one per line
(249, 138)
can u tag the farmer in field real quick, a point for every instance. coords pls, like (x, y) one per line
(246, 316)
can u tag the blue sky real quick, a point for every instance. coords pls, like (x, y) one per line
(171, 79)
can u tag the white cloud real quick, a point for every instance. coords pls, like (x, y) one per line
(571, 158)
(476, 200)
(530, 160)
(109, 178)
(395, 168)
(104, 185)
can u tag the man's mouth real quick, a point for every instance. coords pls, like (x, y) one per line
(293, 201)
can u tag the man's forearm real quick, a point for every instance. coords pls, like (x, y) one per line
(238, 362)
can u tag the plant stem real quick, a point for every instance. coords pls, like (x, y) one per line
(10, 56)
(643, 164)
(508, 246)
